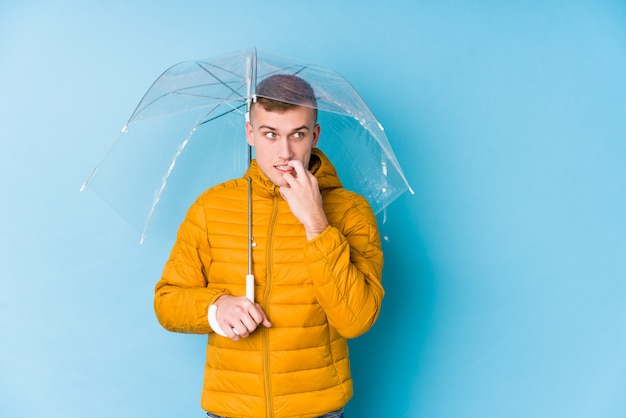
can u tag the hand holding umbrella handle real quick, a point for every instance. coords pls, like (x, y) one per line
(213, 309)
(214, 324)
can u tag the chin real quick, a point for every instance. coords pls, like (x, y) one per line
(278, 182)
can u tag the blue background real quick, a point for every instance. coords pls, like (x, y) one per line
(505, 273)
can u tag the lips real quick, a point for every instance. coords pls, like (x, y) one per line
(283, 168)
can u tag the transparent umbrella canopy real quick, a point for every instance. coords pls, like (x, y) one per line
(188, 133)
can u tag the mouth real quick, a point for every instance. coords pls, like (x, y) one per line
(283, 168)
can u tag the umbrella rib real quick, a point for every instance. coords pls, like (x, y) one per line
(234, 109)
(180, 92)
(201, 65)
(216, 77)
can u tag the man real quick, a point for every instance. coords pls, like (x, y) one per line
(317, 263)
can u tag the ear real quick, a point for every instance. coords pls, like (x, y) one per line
(316, 134)
(249, 134)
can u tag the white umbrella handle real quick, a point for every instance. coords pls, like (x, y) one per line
(213, 321)
(250, 287)
(213, 309)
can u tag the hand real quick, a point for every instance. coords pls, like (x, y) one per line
(302, 193)
(238, 317)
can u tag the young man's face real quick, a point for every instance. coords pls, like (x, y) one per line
(281, 137)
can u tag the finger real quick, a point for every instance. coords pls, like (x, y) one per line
(260, 317)
(298, 168)
(256, 314)
(249, 323)
(266, 323)
(231, 332)
(285, 192)
(241, 330)
(290, 179)
(263, 318)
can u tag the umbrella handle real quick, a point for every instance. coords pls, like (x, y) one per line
(250, 287)
(213, 321)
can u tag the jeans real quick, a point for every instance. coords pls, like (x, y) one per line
(335, 414)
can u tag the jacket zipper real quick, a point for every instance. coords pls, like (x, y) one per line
(268, 288)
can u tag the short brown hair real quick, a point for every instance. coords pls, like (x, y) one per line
(282, 92)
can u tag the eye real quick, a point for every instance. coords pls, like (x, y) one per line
(298, 135)
(270, 134)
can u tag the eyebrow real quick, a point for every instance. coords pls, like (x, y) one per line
(303, 127)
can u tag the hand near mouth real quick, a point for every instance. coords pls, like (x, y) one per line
(287, 168)
(303, 195)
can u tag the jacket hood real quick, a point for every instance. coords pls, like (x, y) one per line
(319, 165)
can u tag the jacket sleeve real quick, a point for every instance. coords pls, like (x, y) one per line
(181, 298)
(347, 271)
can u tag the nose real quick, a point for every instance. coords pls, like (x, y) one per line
(284, 149)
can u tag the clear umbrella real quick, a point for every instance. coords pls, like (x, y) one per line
(187, 133)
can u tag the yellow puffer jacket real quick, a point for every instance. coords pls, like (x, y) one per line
(316, 294)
